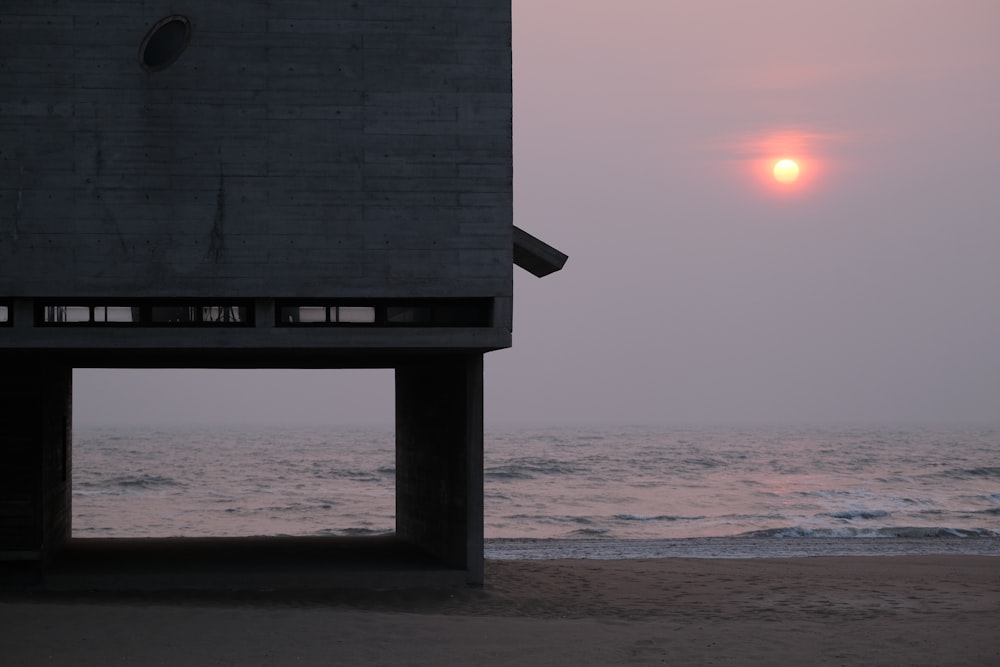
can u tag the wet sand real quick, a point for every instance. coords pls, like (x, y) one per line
(919, 610)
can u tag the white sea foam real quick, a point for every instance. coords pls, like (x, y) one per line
(735, 547)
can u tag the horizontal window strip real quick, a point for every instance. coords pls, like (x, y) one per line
(117, 312)
(386, 313)
(145, 314)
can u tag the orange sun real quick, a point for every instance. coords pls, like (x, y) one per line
(786, 171)
(786, 166)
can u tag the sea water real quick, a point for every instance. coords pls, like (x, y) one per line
(565, 492)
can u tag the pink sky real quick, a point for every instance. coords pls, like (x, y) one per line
(693, 292)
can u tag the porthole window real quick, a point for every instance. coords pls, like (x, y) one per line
(164, 43)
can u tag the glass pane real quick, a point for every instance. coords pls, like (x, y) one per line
(461, 315)
(178, 314)
(222, 314)
(312, 314)
(112, 314)
(118, 314)
(302, 314)
(407, 314)
(75, 313)
(356, 314)
(4, 314)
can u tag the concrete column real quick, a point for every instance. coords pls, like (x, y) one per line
(35, 463)
(439, 458)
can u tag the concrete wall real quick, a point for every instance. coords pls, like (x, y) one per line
(327, 148)
(439, 459)
(35, 459)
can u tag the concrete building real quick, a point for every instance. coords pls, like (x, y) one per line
(296, 184)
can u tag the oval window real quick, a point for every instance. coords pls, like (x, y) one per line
(165, 43)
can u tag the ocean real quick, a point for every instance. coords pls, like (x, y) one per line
(565, 492)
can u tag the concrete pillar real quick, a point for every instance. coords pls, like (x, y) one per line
(439, 458)
(35, 463)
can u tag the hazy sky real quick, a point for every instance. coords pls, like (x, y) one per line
(698, 290)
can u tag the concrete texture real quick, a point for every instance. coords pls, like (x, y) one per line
(35, 458)
(303, 154)
(439, 458)
(329, 148)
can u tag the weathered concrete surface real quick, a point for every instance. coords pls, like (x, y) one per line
(35, 459)
(294, 148)
(439, 458)
(320, 152)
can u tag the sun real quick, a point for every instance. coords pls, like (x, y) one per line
(786, 166)
(786, 171)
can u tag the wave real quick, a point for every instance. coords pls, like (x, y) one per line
(577, 519)
(505, 473)
(601, 548)
(362, 532)
(659, 517)
(130, 482)
(352, 532)
(368, 477)
(703, 462)
(302, 508)
(825, 494)
(530, 468)
(857, 514)
(589, 532)
(987, 472)
(901, 531)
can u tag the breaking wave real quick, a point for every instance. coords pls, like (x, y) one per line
(909, 531)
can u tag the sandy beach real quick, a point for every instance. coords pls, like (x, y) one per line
(920, 610)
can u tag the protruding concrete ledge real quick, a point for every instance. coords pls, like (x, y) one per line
(246, 564)
(536, 256)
